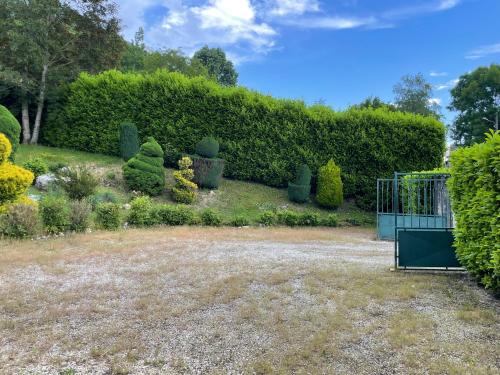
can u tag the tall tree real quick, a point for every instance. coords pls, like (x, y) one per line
(414, 94)
(134, 54)
(47, 41)
(218, 66)
(477, 99)
(375, 102)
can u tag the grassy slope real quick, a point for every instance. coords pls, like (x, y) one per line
(233, 198)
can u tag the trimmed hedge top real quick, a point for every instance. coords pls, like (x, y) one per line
(262, 139)
(10, 127)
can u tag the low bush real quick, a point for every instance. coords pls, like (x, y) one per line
(288, 218)
(267, 218)
(208, 172)
(208, 147)
(77, 182)
(329, 191)
(11, 128)
(108, 216)
(240, 221)
(211, 217)
(56, 167)
(20, 221)
(55, 213)
(330, 220)
(107, 196)
(474, 189)
(37, 166)
(184, 190)
(79, 219)
(173, 215)
(129, 140)
(140, 213)
(309, 219)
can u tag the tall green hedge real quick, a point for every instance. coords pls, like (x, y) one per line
(475, 196)
(261, 138)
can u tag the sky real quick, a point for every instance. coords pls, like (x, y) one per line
(338, 51)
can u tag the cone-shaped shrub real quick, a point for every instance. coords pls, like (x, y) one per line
(300, 189)
(129, 140)
(184, 190)
(145, 172)
(14, 180)
(208, 147)
(329, 191)
(10, 127)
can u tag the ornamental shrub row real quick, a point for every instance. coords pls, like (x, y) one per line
(475, 196)
(261, 139)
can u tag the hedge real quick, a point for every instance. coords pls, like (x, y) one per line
(261, 138)
(475, 196)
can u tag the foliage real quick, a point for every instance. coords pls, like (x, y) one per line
(309, 219)
(240, 221)
(476, 96)
(107, 196)
(10, 127)
(330, 188)
(55, 213)
(77, 182)
(129, 140)
(79, 217)
(331, 220)
(14, 180)
(207, 172)
(218, 66)
(20, 221)
(36, 165)
(287, 217)
(474, 189)
(108, 216)
(173, 215)
(171, 155)
(300, 189)
(268, 218)
(262, 139)
(414, 94)
(140, 211)
(211, 217)
(374, 102)
(208, 147)
(145, 172)
(184, 190)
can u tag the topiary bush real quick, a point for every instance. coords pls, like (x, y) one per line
(145, 172)
(11, 128)
(129, 140)
(208, 147)
(36, 165)
(300, 189)
(20, 221)
(55, 214)
(330, 189)
(208, 172)
(184, 190)
(14, 180)
(474, 188)
(108, 216)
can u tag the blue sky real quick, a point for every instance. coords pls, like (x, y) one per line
(337, 51)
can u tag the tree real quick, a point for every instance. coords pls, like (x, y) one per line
(477, 99)
(219, 67)
(374, 102)
(45, 42)
(414, 94)
(134, 53)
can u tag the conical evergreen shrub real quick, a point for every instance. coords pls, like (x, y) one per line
(300, 189)
(330, 190)
(11, 128)
(129, 140)
(145, 172)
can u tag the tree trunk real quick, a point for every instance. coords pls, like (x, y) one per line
(39, 110)
(25, 119)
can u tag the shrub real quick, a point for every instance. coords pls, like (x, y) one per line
(11, 128)
(37, 166)
(14, 180)
(56, 167)
(129, 140)
(141, 211)
(145, 172)
(55, 213)
(107, 196)
(208, 172)
(171, 155)
(329, 192)
(79, 218)
(210, 217)
(262, 139)
(173, 215)
(240, 221)
(20, 221)
(77, 182)
(309, 219)
(267, 218)
(208, 147)
(300, 189)
(330, 220)
(184, 190)
(287, 217)
(108, 216)
(474, 191)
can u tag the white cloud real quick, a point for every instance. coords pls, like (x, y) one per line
(447, 85)
(293, 7)
(433, 73)
(483, 51)
(415, 10)
(435, 101)
(335, 23)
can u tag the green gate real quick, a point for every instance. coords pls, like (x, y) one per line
(414, 210)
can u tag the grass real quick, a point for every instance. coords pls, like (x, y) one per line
(233, 198)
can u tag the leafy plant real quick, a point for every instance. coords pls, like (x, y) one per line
(11, 128)
(184, 190)
(20, 221)
(267, 218)
(309, 219)
(287, 217)
(141, 211)
(171, 155)
(36, 165)
(77, 182)
(173, 215)
(330, 189)
(211, 217)
(331, 220)
(80, 215)
(240, 221)
(208, 147)
(55, 213)
(107, 196)
(108, 216)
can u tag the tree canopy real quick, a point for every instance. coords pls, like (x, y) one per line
(414, 94)
(219, 67)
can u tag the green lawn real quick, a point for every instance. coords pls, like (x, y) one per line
(233, 198)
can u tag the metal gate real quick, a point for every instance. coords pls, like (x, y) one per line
(413, 209)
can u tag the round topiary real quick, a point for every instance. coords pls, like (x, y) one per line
(184, 190)
(208, 147)
(129, 140)
(329, 193)
(10, 127)
(145, 172)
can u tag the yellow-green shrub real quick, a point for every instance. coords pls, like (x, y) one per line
(329, 190)
(184, 190)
